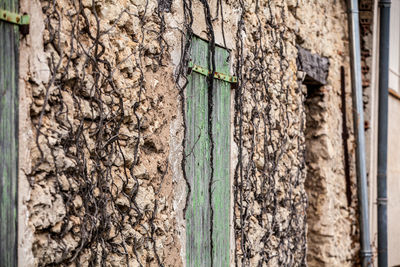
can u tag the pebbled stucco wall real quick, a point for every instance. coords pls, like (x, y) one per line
(102, 99)
(103, 131)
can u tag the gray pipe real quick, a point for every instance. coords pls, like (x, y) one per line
(358, 118)
(384, 21)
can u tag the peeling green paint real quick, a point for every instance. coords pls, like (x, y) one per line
(198, 164)
(221, 160)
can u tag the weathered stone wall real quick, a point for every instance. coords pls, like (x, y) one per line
(332, 220)
(332, 236)
(269, 195)
(104, 130)
(102, 99)
(332, 211)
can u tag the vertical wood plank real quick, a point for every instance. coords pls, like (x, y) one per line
(221, 162)
(198, 169)
(198, 164)
(9, 39)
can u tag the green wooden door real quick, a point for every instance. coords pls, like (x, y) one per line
(9, 38)
(207, 214)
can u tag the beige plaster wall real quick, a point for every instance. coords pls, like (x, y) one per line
(393, 182)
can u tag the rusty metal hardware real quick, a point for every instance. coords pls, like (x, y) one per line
(206, 72)
(14, 17)
(21, 20)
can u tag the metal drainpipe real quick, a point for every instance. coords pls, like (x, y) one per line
(358, 118)
(384, 20)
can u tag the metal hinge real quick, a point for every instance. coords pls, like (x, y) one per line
(217, 75)
(15, 18)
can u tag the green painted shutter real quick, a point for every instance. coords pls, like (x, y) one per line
(9, 39)
(198, 167)
(221, 159)
(198, 163)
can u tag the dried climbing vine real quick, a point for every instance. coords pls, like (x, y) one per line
(262, 125)
(91, 159)
(87, 149)
(269, 181)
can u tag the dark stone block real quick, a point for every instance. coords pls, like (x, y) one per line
(315, 67)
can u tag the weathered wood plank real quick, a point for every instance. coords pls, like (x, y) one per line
(9, 39)
(198, 163)
(198, 169)
(221, 162)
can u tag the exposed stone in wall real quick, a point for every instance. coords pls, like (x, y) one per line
(320, 27)
(270, 199)
(366, 20)
(314, 67)
(106, 151)
(101, 183)
(332, 224)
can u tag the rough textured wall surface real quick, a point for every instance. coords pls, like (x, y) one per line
(270, 200)
(102, 101)
(105, 84)
(332, 208)
(274, 139)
